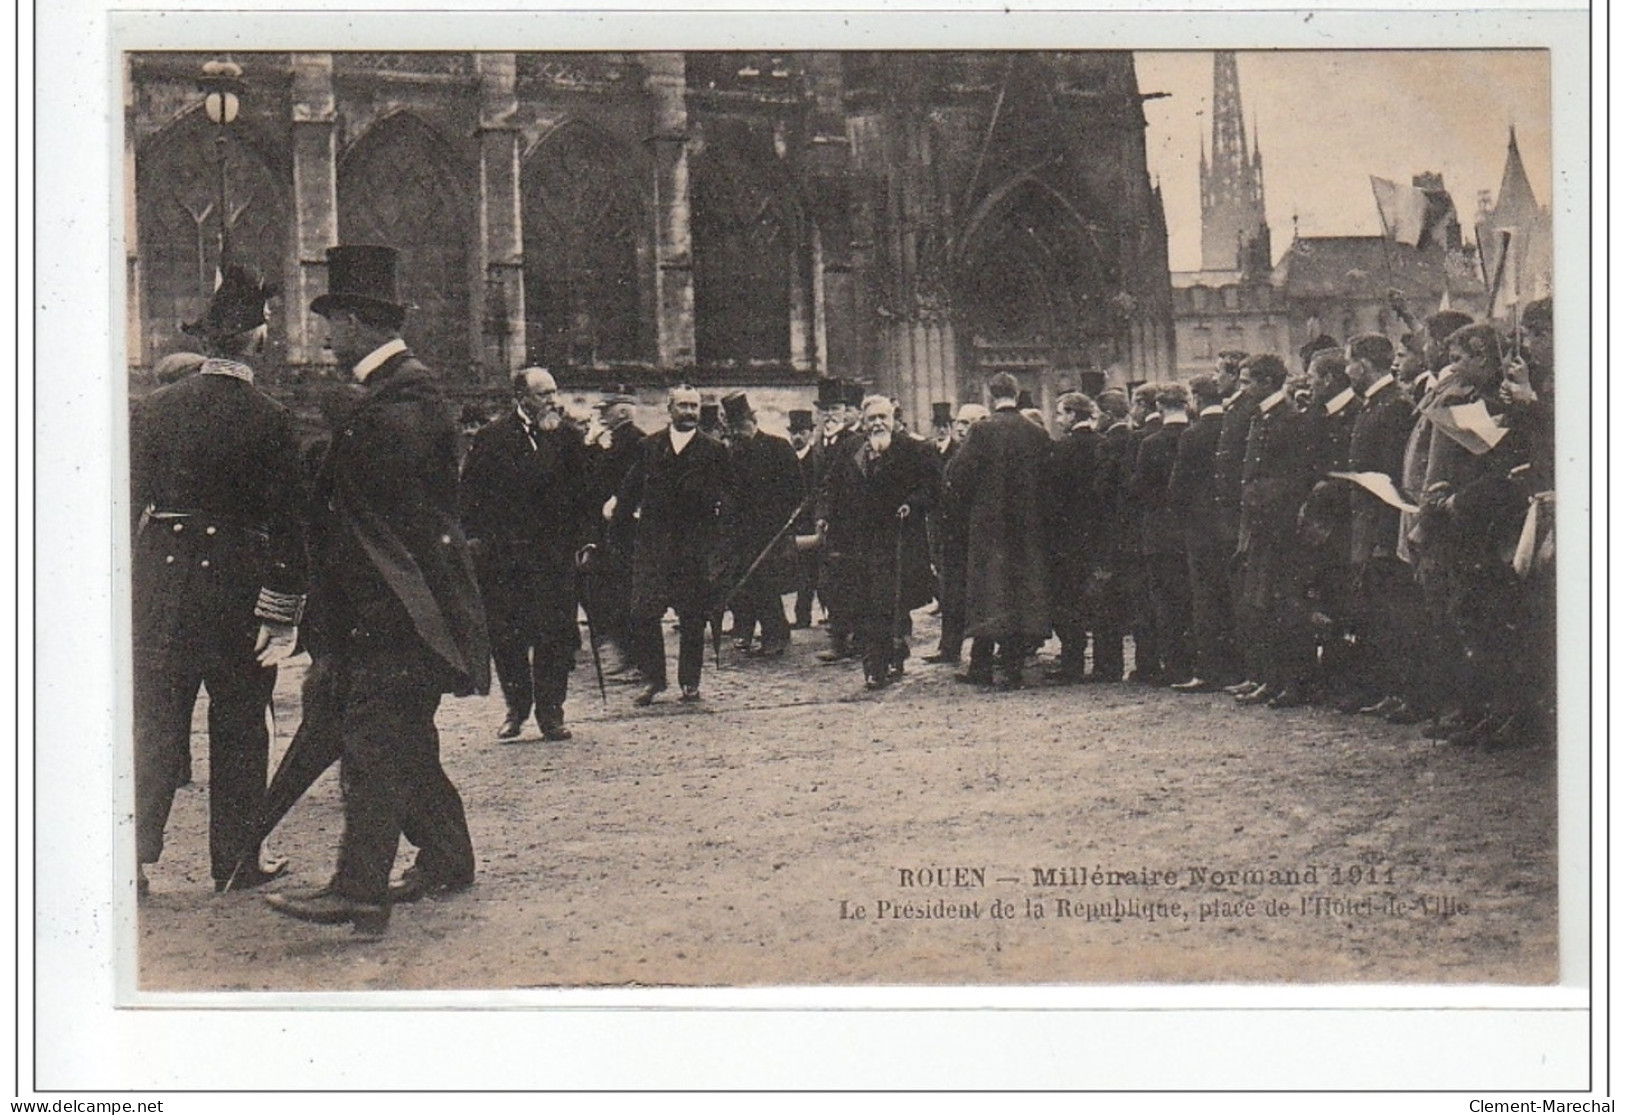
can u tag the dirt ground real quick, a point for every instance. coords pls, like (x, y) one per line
(716, 845)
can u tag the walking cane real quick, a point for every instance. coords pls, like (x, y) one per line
(899, 641)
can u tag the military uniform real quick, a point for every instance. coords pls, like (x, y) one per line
(215, 480)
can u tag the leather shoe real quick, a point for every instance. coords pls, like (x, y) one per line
(1096, 677)
(1406, 714)
(511, 727)
(1259, 696)
(1194, 685)
(834, 654)
(1009, 683)
(414, 885)
(691, 693)
(647, 697)
(250, 877)
(1290, 697)
(876, 681)
(369, 919)
(1241, 687)
(556, 733)
(1383, 707)
(942, 658)
(974, 677)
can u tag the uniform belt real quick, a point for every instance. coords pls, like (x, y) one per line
(169, 514)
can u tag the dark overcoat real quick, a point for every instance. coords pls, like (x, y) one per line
(995, 485)
(1328, 506)
(862, 496)
(1276, 477)
(1074, 525)
(767, 489)
(1114, 470)
(531, 508)
(216, 493)
(674, 505)
(1162, 531)
(1377, 444)
(1193, 487)
(393, 561)
(1230, 458)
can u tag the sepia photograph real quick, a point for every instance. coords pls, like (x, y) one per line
(872, 515)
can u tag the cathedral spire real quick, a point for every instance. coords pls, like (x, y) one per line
(1232, 183)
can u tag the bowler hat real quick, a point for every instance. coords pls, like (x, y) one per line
(360, 276)
(737, 407)
(800, 420)
(942, 414)
(236, 306)
(831, 393)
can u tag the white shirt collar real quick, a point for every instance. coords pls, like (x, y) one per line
(1338, 401)
(1272, 401)
(1176, 419)
(1216, 408)
(375, 359)
(680, 438)
(801, 454)
(1004, 404)
(219, 366)
(1371, 392)
(1086, 424)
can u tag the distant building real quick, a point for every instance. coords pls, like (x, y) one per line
(913, 220)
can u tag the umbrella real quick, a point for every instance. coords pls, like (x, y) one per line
(315, 748)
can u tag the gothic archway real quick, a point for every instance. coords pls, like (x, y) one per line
(1034, 288)
(747, 236)
(177, 227)
(397, 186)
(584, 302)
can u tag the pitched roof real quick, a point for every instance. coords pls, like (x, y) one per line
(1366, 267)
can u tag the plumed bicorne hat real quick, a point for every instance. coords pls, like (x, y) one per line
(236, 306)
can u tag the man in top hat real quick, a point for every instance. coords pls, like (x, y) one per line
(610, 454)
(395, 618)
(994, 484)
(218, 578)
(803, 434)
(527, 507)
(672, 502)
(767, 490)
(711, 421)
(942, 429)
(838, 438)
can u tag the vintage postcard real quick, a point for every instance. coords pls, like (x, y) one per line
(973, 513)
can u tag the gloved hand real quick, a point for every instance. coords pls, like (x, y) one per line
(275, 643)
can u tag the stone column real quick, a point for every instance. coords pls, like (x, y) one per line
(135, 334)
(315, 205)
(667, 87)
(502, 243)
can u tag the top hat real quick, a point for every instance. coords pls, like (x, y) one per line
(942, 414)
(737, 407)
(852, 392)
(710, 414)
(830, 393)
(620, 393)
(1024, 400)
(1091, 381)
(237, 305)
(800, 420)
(360, 276)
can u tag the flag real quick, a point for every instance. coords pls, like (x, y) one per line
(1403, 211)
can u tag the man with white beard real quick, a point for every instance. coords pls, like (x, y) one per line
(873, 509)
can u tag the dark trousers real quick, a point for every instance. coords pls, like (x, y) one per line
(649, 648)
(239, 750)
(534, 674)
(806, 586)
(382, 698)
(951, 595)
(754, 605)
(1213, 652)
(1111, 606)
(1386, 601)
(1143, 618)
(1009, 654)
(1168, 575)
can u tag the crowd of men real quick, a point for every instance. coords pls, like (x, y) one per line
(1374, 534)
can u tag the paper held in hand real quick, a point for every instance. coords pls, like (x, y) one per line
(1378, 484)
(1469, 426)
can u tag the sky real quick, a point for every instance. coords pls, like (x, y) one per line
(1326, 121)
